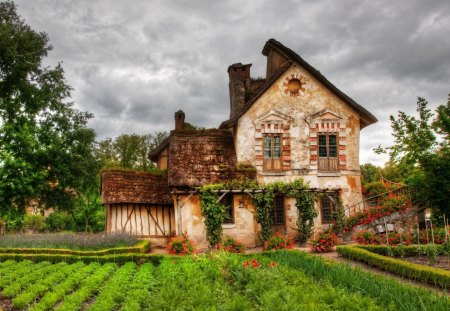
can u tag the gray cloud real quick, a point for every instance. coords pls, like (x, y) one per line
(134, 63)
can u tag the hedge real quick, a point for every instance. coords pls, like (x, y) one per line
(142, 247)
(117, 258)
(429, 275)
(402, 251)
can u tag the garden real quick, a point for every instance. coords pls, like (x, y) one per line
(274, 280)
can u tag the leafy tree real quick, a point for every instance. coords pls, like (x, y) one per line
(421, 154)
(45, 146)
(129, 151)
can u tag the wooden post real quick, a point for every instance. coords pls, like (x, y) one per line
(387, 232)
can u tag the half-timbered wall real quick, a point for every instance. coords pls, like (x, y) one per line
(141, 219)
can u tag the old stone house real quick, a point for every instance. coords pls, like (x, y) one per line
(292, 124)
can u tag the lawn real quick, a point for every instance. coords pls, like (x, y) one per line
(282, 280)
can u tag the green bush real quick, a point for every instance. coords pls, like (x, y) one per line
(424, 274)
(60, 221)
(34, 222)
(142, 247)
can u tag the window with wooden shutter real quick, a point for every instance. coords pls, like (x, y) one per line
(328, 153)
(272, 152)
(328, 206)
(227, 201)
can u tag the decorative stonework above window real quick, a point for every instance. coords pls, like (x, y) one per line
(327, 141)
(272, 142)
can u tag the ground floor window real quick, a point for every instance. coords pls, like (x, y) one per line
(227, 201)
(278, 210)
(328, 206)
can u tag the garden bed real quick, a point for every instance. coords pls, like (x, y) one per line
(281, 280)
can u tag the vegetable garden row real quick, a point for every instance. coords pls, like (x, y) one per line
(282, 280)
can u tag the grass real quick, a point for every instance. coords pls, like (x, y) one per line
(281, 280)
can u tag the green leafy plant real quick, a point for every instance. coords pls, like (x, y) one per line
(180, 246)
(229, 244)
(367, 237)
(214, 213)
(278, 241)
(325, 242)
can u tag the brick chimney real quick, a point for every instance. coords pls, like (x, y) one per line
(179, 120)
(239, 76)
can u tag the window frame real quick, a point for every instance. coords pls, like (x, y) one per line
(277, 210)
(328, 163)
(228, 202)
(271, 163)
(327, 219)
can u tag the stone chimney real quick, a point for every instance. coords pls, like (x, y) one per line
(239, 76)
(179, 120)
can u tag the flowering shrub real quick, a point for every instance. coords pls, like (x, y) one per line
(425, 238)
(398, 238)
(232, 246)
(325, 242)
(278, 241)
(180, 246)
(367, 237)
(391, 204)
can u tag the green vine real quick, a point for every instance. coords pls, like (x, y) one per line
(214, 212)
(339, 219)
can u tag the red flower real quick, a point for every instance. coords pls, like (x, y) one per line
(246, 264)
(272, 264)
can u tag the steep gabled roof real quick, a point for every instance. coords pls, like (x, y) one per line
(122, 186)
(365, 116)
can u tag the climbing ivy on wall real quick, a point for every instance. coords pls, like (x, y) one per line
(214, 212)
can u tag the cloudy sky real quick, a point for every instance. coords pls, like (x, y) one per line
(134, 63)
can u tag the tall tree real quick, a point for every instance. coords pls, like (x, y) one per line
(45, 146)
(422, 154)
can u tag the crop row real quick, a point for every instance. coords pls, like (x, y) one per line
(282, 280)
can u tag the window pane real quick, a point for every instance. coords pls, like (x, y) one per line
(227, 201)
(332, 140)
(323, 151)
(333, 151)
(326, 210)
(276, 147)
(277, 212)
(322, 140)
(267, 147)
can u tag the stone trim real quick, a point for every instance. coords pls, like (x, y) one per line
(273, 122)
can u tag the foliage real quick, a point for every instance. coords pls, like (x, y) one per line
(129, 151)
(374, 188)
(278, 241)
(324, 242)
(89, 212)
(229, 244)
(388, 293)
(339, 219)
(425, 236)
(67, 240)
(180, 246)
(369, 173)
(214, 213)
(395, 238)
(421, 158)
(263, 201)
(60, 221)
(45, 146)
(413, 271)
(391, 204)
(34, 222)
(367, 237)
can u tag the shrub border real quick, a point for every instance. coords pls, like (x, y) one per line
(401, 251)
(141, 247)
(116, 258)
(424, 274)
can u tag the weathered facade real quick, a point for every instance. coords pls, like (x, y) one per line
(292, 124)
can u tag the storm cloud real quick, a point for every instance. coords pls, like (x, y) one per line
(134, 63)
